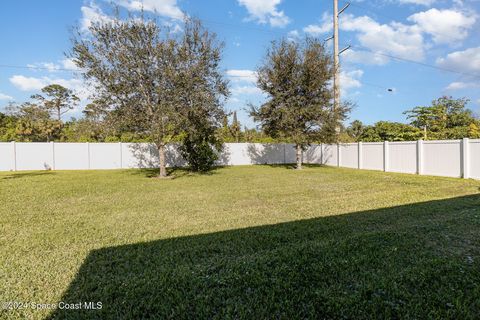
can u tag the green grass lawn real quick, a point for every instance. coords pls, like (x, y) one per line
(244, 242)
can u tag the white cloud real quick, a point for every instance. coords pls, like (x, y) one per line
(350, 80)
(265, 11)
(293, 35)
(5, 97)
(28, 83)
(467, 61)
(445, 26)
(166, 8)
(54, 67)
(418, 2)
(394, 38)
(49, 66)
(245, 90)
(365, 57)
(243, 83)
(69, 64)
(32, 84)
(459, 85)
(242, 75)
(92, 13)
(325, 26)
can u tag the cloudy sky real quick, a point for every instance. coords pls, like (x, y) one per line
(421, 49)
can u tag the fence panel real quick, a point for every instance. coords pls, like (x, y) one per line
(105, 156)
(34, 156)
(403, 157)
(6, 156)
(474, 159)
(442, 158)
(71, 156)
(313, 154)
(330, 154)
(372, 155)
(349, 155)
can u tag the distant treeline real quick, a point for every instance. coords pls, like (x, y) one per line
(39, 120)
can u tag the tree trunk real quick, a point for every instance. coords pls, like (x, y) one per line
(161, 155)
(299, 156)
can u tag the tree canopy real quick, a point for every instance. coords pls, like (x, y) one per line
(297, 76)
(446, 118)
(163, 84)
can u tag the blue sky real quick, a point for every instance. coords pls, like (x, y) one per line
(439, 33)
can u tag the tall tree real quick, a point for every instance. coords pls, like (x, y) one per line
(297, 76)
(157, 82)
(58, 100)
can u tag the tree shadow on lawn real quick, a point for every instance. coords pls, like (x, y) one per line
(413, 261)
(175, 172)
(293, 166)
(19, 175)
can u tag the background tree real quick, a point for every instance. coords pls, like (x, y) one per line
(231, 132)
(58, 100)
(235, 128)
(8, 124)
(94, 126)
(34, 123)
(355, 130)
(446, 118)
(157, 83)
(390, 131)
(296, 77)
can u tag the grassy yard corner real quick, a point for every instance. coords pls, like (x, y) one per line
(242, 242)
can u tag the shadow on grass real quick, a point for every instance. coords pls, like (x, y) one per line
(413, 261)
(175, 172)
(19, 175)
(293, 166)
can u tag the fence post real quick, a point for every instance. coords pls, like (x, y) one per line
(53, 154)
(386, 156)
(420, 157)
(465, 156)
(88, 155)
(14, 151)
(121, 155)
(339, 155)
(284, 153)
(360, 155)
(321, 153)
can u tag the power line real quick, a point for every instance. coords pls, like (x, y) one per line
(374, 12)
(357, 46)
(233, 25)
(361, 81)
(37, 68)
(417, 62)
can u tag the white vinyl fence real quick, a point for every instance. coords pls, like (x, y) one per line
(451, 158)
(448, 158)
(16, 156)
